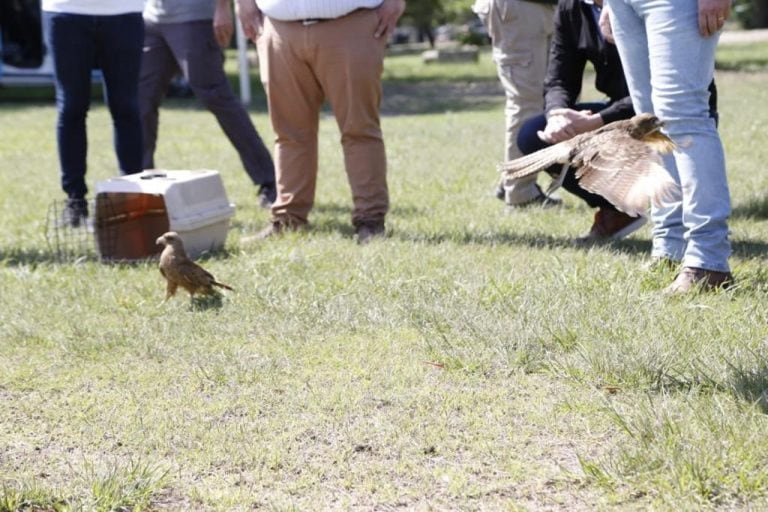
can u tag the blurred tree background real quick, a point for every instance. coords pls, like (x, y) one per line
(750, 13)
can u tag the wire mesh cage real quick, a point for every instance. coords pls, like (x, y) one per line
(80, 235)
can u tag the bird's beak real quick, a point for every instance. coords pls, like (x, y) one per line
(659, 124)
(160, 241)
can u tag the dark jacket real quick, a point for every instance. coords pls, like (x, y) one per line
(575, 42)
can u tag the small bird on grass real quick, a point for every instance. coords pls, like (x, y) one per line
(620, 161)
(179, 270)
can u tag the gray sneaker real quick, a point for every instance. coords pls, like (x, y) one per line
(541, 200)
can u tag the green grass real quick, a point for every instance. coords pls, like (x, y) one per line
(473, 360)
(745, 57)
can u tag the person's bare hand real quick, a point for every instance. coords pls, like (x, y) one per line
(566, 123)
(389, 12)
(712, 15)
(251, 18)
(605, 24)
(223, 24)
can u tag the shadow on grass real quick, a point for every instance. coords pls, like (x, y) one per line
(346, 209)
(533, 240)
(751, 384)
(401, 97)
(19, 257)
(747, 65)
(405, 97)
(206, 302)
(755, 208)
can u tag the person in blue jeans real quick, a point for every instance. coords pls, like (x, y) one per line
(577, 41)
(668, 51)
(84, 35)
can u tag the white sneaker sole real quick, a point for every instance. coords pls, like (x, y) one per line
(629, 228)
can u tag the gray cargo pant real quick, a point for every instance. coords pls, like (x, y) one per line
(520, 32)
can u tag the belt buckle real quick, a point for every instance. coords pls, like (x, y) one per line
(311, 21)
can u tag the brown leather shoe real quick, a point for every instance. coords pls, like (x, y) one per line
(698, 279)
(368, 230)
(274, 228)
(610, 225)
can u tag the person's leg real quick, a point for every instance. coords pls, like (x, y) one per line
(521, 50)
(157, 70)
(682, 66)
(72, 46)
(201, 61)
(348, 67)
(120, 40)
(632, 42)
(294, 99)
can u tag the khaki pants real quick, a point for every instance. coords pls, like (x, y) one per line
(521, 32)
(303, 65)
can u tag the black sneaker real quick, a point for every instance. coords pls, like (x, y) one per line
(267, 195)
(369, 230)
(75, 212)
(500, 192)
(541, 199)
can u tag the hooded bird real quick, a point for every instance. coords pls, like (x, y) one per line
(179, 270)
(620, 161)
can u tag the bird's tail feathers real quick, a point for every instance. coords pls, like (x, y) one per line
(537, 161)
(665, 189)
(657, 185)
(222, 285)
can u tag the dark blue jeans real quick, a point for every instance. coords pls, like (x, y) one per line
(528, 142)
(79, 44)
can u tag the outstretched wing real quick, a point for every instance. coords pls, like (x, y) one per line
(625, 171)
(537, 161)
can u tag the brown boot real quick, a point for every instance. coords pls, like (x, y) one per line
(274, 228)
(691, 278)
(610, 225)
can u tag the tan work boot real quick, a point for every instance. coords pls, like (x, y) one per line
(698, 279)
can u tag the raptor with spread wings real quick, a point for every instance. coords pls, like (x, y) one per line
(620, 161)
(179, 270)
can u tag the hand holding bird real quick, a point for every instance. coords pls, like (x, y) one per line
(179, 270)
(620, 161)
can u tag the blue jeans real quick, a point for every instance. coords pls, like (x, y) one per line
(80, 43)
(669, 66)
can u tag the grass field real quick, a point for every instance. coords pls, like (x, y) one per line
(472, 360)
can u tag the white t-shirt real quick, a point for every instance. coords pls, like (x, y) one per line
(93, 7)
(287, 10)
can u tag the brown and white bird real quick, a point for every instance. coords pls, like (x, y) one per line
(179, 270)
(620, 161)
